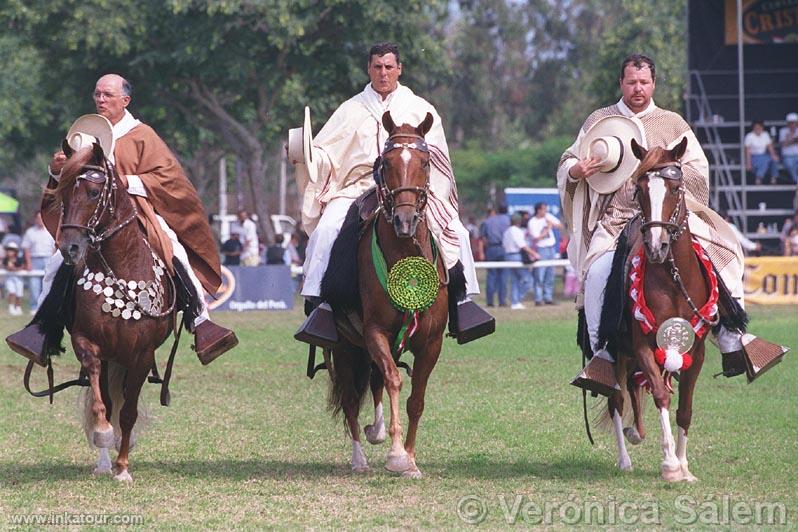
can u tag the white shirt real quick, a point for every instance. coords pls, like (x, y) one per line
(792, 149)
(38, 241)
(537, 225)
(757, 144)
(514, 239)
(250, 237)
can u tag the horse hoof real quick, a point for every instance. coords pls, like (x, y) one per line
(672, 475)
(398, 463)
(123, 476)
(99, 471)
(625, 466)
(412, 473)
(632, 436)
(687, 476)
(375, 435)
(361, 469)
(103, 440)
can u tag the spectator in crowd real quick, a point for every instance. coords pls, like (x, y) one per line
(515, 247)
(231, 249)
(492, 232)
(760, 157)
(38, 246)
(11, 237)
(293, 253)
(788, 140)
(250, 255)
(789, 223)
(570, 282)
(746, 243)
(791, 242)
(477, 249)
(276, 253)
(13, 262)
(541, 232)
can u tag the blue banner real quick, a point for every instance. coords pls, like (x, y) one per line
(524, 199)
(254, 288)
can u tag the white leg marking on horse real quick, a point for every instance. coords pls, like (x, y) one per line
(103, 463)
(123, 476)
(681, 454)
(624, 462)
(359, 462)
(398, 459)
(671, 469)
(375, 433)
(656, 191)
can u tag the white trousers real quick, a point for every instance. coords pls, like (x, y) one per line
(54, 262)
(317, 254)
(595, 283)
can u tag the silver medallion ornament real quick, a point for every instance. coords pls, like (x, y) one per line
(675, 334)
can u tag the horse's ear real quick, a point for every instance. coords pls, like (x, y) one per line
(678, 151)
(424, 127)
(67, 149)
(97, 153)
(387, 122)
(639, 151)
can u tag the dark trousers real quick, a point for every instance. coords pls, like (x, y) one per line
(497, 277)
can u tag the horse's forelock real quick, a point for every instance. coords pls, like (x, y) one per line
(655, 157)
(72, 169)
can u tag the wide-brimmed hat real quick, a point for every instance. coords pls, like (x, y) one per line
(11, 245)
(300, 152)
(87, 128)
(792, 117)
(609, 140)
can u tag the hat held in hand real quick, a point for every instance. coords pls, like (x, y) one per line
(609, 141)
(91, 128)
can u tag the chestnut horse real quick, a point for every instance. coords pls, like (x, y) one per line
(124, 298)
(673, 284)
(402, 174)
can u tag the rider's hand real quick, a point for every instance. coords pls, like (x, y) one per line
(57, 162)
(585, 168)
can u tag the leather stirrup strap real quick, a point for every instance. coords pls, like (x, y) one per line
(82, 380)
(167, 373)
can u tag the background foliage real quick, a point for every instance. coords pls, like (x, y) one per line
(513, 80)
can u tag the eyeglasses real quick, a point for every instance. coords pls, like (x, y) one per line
(106, 95)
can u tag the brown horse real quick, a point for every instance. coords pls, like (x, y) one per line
(674, 280)
(399, 230)
(124, 298)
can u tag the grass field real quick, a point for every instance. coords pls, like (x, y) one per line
(248, 443)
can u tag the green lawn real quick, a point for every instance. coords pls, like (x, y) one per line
(248, 442)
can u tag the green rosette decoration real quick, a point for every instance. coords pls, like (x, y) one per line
(413, 284)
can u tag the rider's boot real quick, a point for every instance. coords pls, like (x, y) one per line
(212, 340)
(30, 343)
(598, 377)
(319, 326)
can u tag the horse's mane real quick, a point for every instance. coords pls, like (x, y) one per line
(70, 172)
(655, 157)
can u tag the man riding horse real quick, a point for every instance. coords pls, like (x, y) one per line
(169, 209)
(598, 199)
(336, 168)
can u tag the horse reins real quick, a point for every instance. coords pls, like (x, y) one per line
(675, 229)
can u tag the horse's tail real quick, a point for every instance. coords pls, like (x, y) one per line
(113, 375)
(350, 376)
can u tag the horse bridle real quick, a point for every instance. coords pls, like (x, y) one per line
(675, 228)
(387, 196)
(677, 223)
(105, 202)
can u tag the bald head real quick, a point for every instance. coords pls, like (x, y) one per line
(111, 96)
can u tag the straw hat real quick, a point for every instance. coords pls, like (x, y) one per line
(609, 140)
(300, 148)
(91, 128)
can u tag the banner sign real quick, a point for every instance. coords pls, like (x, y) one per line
(254, 288)
(771, 280)
(764, 21)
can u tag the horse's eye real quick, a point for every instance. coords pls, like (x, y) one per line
(93, 194)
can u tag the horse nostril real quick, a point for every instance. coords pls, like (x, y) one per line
(73, 249)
